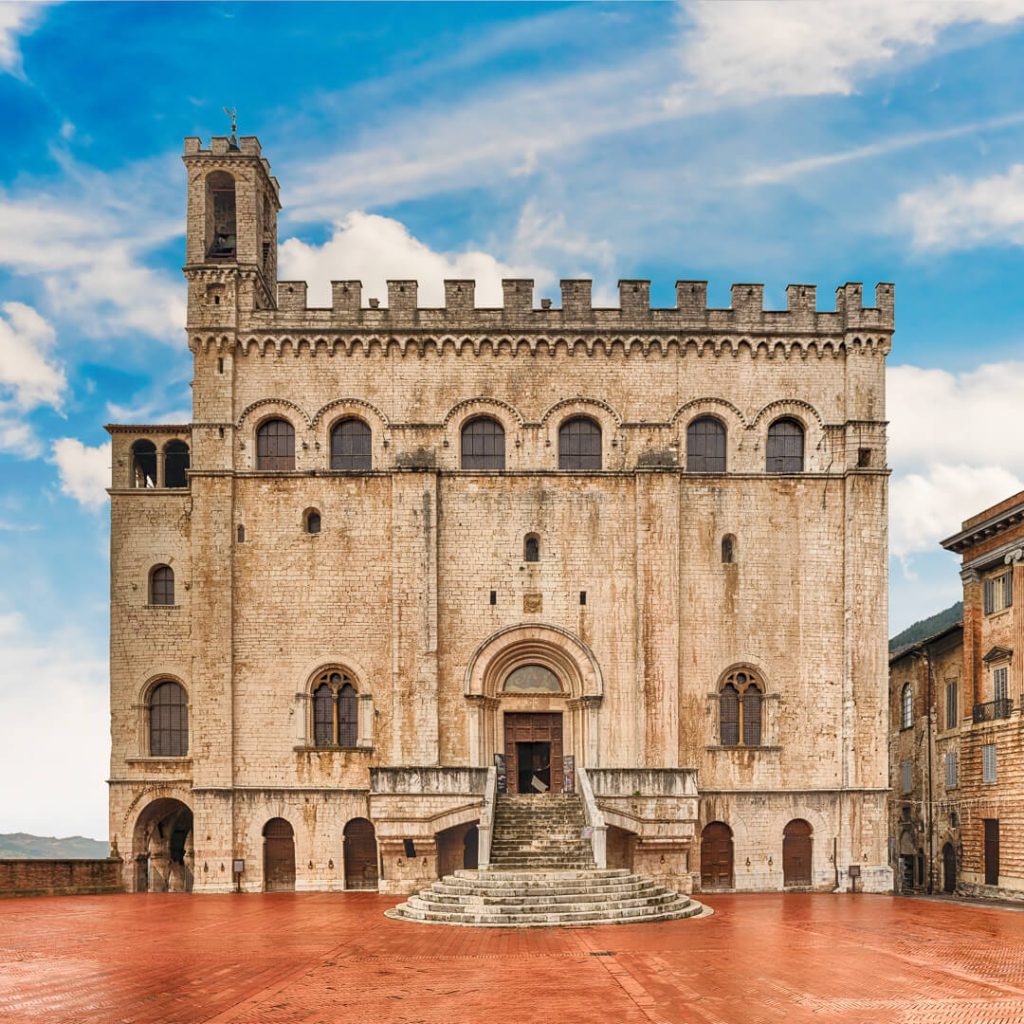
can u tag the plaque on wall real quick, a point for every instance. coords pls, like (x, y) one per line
(569, 768)
(499, 764)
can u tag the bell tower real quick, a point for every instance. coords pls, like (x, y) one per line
(231, 242)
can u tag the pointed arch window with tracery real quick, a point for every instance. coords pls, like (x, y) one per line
(740, 710)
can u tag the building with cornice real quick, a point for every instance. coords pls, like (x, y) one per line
(406, 561)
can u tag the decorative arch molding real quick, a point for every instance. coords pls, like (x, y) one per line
(821, 830)
(145, 689)
(350, 405)
(551, 646)
(751, 668)
(481, 405)
(270, 406)
(719, 407)
(146, 796)
(341, 663)
(582, 404)
(466, 815)
(798, 409)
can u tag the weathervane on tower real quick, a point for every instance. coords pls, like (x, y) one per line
(233, 114)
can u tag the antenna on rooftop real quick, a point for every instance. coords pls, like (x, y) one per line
(233, 114)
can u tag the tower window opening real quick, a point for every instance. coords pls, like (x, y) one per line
(531, 548)
(494, 597)
(583, 597)
(222, 240)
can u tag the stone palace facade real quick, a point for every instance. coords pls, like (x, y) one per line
(405, 558)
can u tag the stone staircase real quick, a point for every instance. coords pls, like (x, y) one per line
(542, 874)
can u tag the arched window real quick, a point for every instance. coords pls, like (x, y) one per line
(143, 464)
(739, 710)
(335, 711)
(351, 446)
(161, 585)
(907, 706)
(168, 720)
(483, 444)
(728, 549)
(785, 449)
(312, 518)
(275, 445)
(705, 446)
(176, 464)
(579, 444)
(221, 241)
(531, 548)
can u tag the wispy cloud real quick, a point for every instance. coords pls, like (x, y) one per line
(17, 19)
(954, 213)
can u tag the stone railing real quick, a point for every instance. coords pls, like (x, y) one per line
(485, 829)
(594, 819)
(417, 781)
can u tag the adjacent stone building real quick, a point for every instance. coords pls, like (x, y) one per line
(404, 558)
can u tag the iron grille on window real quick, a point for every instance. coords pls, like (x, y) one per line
(579, 444)
(168, 721)
(739, 708)
(906, 776)
(275, 446)
(483, 444)
(785, 448)
(161, 585)
(351, 446)
(705, 446)
(951, 767)
(907, 706)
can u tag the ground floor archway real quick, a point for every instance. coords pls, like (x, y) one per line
(360, 841)
(796, 853)
(278, 856)
(162, 847)
(716, 856)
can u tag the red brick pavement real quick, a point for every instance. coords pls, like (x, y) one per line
(331, 958)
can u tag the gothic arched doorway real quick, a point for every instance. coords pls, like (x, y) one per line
(360, 854)
(716, 866)
(162, 847)
(278, 856)
(796, 853)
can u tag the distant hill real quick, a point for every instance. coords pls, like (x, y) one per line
(20, 845)
(927, 627)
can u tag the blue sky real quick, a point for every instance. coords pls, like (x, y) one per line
(785, 143)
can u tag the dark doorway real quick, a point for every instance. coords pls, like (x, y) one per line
(278, 856)
(716, 856)
(991, 851)
(471, 848)
(948, 868)
(796, 853)
(162, 847)
(360, 855)
(533, 750)
(142, 873)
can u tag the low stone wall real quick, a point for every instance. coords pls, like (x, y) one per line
(34, 877)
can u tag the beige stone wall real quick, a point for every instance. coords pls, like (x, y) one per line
(396, 588)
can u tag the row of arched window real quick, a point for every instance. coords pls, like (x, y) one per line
(147, 464)
(482, 445)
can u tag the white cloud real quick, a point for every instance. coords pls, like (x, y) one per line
(64, 738)
(958, 214)
(84, 471)
(16, 19)
(954, 445)
(27, 371)
(751, 50)
(87, 242)
(376, 249)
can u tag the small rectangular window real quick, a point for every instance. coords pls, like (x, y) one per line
(494, 597)
(906, 776)
(998, 593)
(988, 763)
(952, 704)
(583, 597)
(951, 770)
(863, 457)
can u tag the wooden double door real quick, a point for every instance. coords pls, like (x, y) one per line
(533, 752)
(716, 856)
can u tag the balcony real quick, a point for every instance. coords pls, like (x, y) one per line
(993, 710)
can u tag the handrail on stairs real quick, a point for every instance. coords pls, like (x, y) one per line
(485, 829)
(594, 819)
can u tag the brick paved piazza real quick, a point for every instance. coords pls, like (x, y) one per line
(315, 958)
